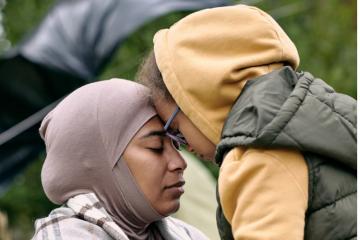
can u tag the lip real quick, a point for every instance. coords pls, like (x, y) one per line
(179, 184)
(176, 190)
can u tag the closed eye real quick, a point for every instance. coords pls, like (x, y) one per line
(155, 141)
(157, 150)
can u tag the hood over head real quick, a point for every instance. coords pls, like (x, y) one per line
(85, 137)
(206, 58)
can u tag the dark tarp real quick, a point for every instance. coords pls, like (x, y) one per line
(69, 48)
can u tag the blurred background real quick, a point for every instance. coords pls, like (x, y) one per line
(323, 31)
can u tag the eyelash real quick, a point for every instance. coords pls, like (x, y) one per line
(157, 150)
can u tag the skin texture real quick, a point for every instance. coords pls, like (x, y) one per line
(198, 142)
(157, 167)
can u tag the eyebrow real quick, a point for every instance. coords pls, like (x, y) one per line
(160, 133)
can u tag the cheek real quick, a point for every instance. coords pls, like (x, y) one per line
(148, 171)
(164, 201)
(150, 180)
(151, 174)
(199, 144)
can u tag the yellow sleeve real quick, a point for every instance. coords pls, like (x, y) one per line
(264, 193)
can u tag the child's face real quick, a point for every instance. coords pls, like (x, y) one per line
(156, 166)
(198, 142)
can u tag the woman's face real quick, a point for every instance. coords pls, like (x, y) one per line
(157, 167)
(198, 142)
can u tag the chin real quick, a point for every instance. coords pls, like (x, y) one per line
(211, 159)
(169, 208)
(205, 157)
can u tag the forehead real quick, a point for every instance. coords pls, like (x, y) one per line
(164, 107)
(154, 124)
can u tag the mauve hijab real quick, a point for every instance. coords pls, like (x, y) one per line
(85, 136)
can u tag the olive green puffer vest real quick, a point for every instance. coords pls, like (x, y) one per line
(286, 109)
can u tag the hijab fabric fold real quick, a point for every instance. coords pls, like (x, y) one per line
(85, 137)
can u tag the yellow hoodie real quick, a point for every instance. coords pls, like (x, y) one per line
(205, 60)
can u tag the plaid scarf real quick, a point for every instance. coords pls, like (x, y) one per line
(83, 217)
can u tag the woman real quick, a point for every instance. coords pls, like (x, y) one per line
(112, 165)
(285, 141)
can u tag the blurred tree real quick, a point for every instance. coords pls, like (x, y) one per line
(25, 201)
(20, 17)
(4, 43)
(323, 31)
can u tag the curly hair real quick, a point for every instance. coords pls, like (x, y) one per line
(150, 76)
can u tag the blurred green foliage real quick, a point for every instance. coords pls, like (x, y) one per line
(323, 31)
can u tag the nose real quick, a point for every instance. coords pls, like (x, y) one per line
(176, 162)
